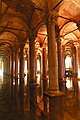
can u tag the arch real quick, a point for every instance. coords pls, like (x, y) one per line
(17, 19)
(6, 43)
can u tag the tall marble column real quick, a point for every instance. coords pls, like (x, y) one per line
(16, 77)
(4, 81)
(52, 57)
(21, 85)
(44, 77)
(7, 68)
(63, 61)
(75, 71)
(60, 77)
(55, 96)
(60, 65)
(12, 67)
(75, 62)
(78, 62)
(32, 84)
(3, 70)
(8, 72)
(28, 74)
(0, 7)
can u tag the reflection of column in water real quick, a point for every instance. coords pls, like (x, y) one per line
(79, 90)
(78, 95)
(75, 86)
(79, 85)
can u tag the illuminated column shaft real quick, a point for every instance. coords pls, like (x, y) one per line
(7, 68)
(12, 67)
(16, 77)
(63, 61)
(3, 70)
(21, 89)
(55, 96)
(79, 62)
(63, 65)
(28, 74)
(0, 7)
(52, 57)
(44, 76)
(60, 66)
(75, 62)
(33, 85)
(8, 72)
(32, 61)
(44, 70)
(60, 77)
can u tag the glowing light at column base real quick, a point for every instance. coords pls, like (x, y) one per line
(69, 83)
(78, 73)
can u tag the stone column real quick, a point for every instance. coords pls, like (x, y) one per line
(55, 96)
(12, 61)
(79, 62)
(0, 8)
(28, 74)
(7, 68)
(52, 58)
(63, 61)
(8, 72)
(21, 85)
(60, 74)
(16, 77)
(75, 66)
(4, 68)
(33, 85)
(44, 77)
(74, 62)
(60, 77)
(3, 71)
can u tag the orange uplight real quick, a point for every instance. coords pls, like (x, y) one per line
(79, 73)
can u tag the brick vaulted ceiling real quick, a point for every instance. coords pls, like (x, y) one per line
(19, 17)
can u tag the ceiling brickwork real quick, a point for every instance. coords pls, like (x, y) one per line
(20, 18)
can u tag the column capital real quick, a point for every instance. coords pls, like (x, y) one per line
(21, 47)
(58, 39)
(16, 50)
(32, 34)
(49, 16)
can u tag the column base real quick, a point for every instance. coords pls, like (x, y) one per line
(53, 94)
(56, 105)
(32, 85)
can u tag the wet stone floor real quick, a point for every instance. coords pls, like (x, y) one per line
(8, 111)
(72, 100)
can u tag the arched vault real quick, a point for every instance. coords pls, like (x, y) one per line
(19, 19)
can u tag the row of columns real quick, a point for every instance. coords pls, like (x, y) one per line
(53, 92)
(55, 76)
(15, 89)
